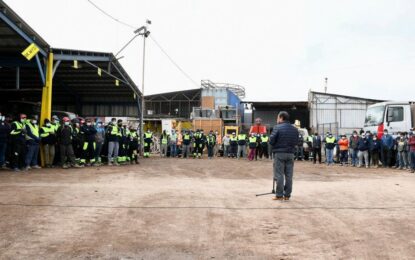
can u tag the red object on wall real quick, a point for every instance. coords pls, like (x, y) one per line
(258, 129)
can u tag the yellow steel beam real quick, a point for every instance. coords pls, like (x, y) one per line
(46, 108)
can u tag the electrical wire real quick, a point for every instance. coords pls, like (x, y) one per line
(110, 16)
(151, 37)
(173, 62)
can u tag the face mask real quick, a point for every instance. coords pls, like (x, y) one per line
(386, 133)
(375, 139)
(34, 121)
(47, 124)
(99, 124)
(66, 123)
(23, 120)
(88, 124)
(1, 118)
(354, 135)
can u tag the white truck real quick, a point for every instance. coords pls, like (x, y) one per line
(393, 116)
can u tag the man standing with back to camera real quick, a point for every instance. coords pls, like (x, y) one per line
(284, 138)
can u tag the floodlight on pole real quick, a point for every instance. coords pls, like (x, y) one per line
(142, 31)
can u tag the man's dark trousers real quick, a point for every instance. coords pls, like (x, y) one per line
(283, 173)
(317, 152)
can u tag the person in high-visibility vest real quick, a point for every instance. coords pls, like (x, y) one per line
(234, 145)
(252, 146)
(186, 145)
(55, 122)
(32, 143)
(164, 143)
(330, 145)
(264, 140)
(133, 146)
(148, 140)
(242, 139)
(65, 136)
(88, 147)
(123, 145)
(344, 150)
(197, 144)
(48, 140)
(18, 143)
(113, 136)
(211, 142)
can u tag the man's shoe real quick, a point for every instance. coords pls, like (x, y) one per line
(277, 198)
(36, 167)
(286, 198)
(16, 169)
(78, 166)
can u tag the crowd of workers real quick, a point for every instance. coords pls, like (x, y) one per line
(189, 144)
(78, 143)
(363, 149)
(67, 143)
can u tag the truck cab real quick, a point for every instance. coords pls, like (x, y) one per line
(393, 116)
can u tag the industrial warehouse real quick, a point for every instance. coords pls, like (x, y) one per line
(162, 141)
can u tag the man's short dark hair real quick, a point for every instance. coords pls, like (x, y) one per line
(284, 115)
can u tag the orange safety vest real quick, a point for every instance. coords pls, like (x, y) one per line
(179, 139)
(219, 139)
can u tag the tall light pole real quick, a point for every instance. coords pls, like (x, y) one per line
(143, 30)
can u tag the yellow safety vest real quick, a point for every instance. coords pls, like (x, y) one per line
(47, 130)
(34, 129)
(19, 127)
(264, 139)
(252, 139)
(55, 126)
(148, 135)
(330, 140)
(241, 137)
(164, 139)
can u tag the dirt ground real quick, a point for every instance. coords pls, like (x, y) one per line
(206, 209)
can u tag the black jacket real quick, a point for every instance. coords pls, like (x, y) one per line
(316, 142)
(88, 133)
(64, 135)
(284, 138)
(4, 132)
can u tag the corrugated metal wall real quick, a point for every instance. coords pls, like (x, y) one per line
(269, 116)
(339, 113)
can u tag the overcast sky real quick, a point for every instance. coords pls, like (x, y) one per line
(278, 50)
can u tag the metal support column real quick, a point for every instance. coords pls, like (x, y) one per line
(17, 77)
(46, 109)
